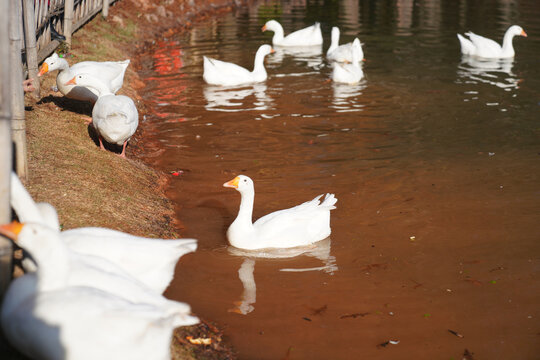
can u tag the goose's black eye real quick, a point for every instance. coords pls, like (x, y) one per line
(245, 180)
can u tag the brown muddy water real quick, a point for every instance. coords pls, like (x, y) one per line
(434, 159)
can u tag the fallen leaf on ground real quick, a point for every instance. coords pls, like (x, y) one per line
(455, 333)
(199, 341)
(355, 315)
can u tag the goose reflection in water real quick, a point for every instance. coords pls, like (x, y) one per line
(319, 250)
(346, 97)
(231, 99)
(497, 72)
(311, 55)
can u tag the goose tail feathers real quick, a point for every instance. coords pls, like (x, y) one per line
(329, 201)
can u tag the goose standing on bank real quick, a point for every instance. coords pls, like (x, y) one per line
(115, 117)
(217, 72)
(298, 226)
(110, 73)
(309, 36)
(342, 53)
(482, 47)
(349, 73)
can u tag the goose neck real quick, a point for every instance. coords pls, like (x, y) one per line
(258, 65)
(278, 33)
(245, 213)
(53, 263)
(335, 40)
(507, 46)
(61, 64)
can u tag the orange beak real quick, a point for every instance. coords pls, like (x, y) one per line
(523, 33)
(11, 230)
(263, 28)
(233, 183)
(72, 81)
(44, 69)
(272, 51)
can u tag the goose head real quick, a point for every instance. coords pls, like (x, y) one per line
(272, 25)
(265, 50)
(516, 30)
(51, 63)
(28, 235)
(87, 80)
(242, 183)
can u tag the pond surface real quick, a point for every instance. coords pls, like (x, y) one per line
(434, 160)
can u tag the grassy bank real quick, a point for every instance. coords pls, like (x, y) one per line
(91, 187)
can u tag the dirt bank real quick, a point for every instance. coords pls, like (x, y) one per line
(90, 187)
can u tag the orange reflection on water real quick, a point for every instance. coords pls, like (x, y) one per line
(168, 60)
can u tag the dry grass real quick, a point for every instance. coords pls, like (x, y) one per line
(88, 186)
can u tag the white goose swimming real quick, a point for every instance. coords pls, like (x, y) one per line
(110, 73)
(151, 261)
(298, 226)
(349, 73)
(46, 318)
(115, 117)
(482, 47)
(217, 72)
(342, 53)
(309, 36)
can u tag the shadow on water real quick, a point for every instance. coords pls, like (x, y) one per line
(432, 158)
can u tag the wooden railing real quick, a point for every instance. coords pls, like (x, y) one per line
(33, 29)
(62, 17)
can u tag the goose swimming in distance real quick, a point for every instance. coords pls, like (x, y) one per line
(110, 73)
(297, 226)
(308, 36)
(349, 73)
(482, 47)
(115, 117)
(217, 72)
(342, 53)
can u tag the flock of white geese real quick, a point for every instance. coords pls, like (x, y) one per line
(346, 58)
(96, 293)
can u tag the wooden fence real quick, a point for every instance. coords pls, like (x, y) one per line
(30, 30)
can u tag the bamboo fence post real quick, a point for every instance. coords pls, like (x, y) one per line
(5, 146)
(30, 43)
(68, 21)
(18, 125)
(105, 8)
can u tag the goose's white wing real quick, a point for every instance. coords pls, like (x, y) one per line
(217, 72)
(304, 37)
(151, 261)
(484, 46)
(111, 73)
